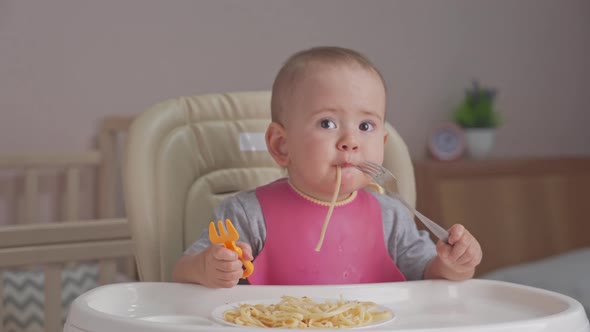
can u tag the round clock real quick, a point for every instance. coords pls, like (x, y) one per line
(446, 142)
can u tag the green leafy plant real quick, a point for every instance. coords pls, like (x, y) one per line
(477, 108)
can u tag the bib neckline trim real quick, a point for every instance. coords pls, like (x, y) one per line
(345, 201)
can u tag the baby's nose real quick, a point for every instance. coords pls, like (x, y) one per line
(348, 144)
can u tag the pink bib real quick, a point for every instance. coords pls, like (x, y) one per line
(353, 250)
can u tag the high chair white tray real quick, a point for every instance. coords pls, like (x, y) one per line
(473, 305)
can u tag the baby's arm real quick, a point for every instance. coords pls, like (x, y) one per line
(416, 255)
(214, 267)
(411, 249)
(456, 260)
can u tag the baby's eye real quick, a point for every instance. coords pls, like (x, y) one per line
(327, 124)
(366, 126)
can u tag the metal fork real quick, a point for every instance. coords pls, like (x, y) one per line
(387, 180)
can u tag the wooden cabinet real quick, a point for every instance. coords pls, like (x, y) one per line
(519, 210)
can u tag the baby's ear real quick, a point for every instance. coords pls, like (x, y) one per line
(385, 137)
(276, 143)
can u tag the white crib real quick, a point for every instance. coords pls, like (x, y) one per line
(61, 230)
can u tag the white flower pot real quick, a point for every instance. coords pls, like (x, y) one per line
(479, 141)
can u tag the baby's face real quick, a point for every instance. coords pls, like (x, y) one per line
(334, 117)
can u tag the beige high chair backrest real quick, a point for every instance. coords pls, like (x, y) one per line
(185, 155)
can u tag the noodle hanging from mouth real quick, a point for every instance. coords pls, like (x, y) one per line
(331, 208)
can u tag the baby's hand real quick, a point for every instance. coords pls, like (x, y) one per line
(223, 268)
(462, 254)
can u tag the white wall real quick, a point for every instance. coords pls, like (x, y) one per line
(65, 64)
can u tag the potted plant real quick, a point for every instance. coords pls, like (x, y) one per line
(476, 115)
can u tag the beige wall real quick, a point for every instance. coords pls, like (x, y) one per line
(64, 64)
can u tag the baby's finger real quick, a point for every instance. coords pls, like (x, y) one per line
(475, 260)
(228, 266)
(227, 280)
(223, 254)
(443, 250)
(246, 250)
(459, 248)
(474, 256)
(456, 232)
(467, 257)
(233, 276)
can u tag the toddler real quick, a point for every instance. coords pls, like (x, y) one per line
(328, 114)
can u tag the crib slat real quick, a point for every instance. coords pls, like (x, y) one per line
(31, 212)
(131, 268)
(107, 270)
(50, 160)
(65, 252)
(72, 204)
(107, 175)
(53, 305)
(8, 188)
(1, 301)
(65, 232)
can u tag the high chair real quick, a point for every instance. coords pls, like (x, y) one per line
(187, 154)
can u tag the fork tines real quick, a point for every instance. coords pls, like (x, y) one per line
(373, 169)
(220, 234)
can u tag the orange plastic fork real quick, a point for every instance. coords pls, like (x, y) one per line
(228, 238)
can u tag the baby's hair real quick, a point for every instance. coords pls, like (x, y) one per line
(298, 62)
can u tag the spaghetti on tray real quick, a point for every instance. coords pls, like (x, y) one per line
(293, 312)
